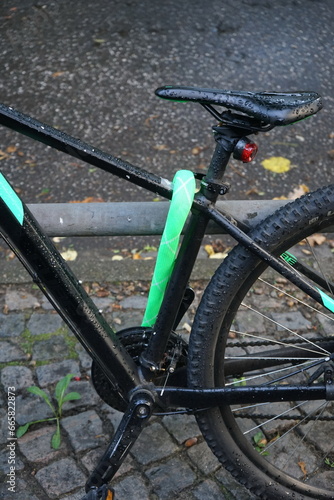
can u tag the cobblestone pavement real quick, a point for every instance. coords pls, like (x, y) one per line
(37, 349)
(170, 459)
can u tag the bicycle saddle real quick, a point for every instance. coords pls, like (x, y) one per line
(273, 108)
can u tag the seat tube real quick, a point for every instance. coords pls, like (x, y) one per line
(211, 187)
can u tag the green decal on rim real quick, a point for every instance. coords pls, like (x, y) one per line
(289, 258)
(11, 199)
(327, 301)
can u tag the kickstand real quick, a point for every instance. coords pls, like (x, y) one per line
(132, 423)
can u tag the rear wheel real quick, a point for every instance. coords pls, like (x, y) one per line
(255, 328)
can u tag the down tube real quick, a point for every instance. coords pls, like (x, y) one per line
(51, 273)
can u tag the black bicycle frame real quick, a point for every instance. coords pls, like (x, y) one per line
(38, 254)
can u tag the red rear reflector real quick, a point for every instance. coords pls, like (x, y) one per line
(249, 152)
(245, 150)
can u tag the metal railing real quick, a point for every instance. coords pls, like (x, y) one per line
(133, 218)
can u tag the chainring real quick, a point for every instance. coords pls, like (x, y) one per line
(135, 341)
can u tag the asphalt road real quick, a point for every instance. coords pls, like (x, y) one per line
(91, 68)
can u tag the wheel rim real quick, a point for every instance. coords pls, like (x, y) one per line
(288, 437)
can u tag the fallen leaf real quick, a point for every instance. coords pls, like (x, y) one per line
(3, 155)
(218, 255)
(57, 73)
(209, 249)
(277, 164)
(69, 255)
(190, 442)
(136, 256)
(117, 257)
(161, 147)
(102, 293)
(196, 150)
(302, 466)
(186, 327)
(116, 307)
(316, 239)
(58, 239)
(254, 191)
(148, 120)
(89, 199)
(11, 149)
(298, 192)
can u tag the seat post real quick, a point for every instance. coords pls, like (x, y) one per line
(226, 139)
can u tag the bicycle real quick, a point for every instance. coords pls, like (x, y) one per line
(261, 394)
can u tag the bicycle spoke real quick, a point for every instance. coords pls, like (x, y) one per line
(284, 327)
(330, 318)
(274, 418)
(324, 275)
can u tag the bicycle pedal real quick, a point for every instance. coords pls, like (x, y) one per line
(102, 493)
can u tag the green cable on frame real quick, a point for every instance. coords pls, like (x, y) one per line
(183, 195)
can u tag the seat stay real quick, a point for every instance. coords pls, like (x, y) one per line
(274, 108)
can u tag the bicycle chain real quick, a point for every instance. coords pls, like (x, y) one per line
(263, 416)
(254, 343)
(282, 417)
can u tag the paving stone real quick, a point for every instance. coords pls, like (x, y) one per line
(11, 325)
(326, 323)
(52, 348)
(60, 477)
(209, 490)
(36, 445)
(17, 300)
(113, 415)
(232, 486)
(91, 459)
(131, 488)
(153, 443)
(317, 433)
(248, 321)
(324, 478)
(89, 396)
(4, 456)
(182, 427)
(44, 323)
(52, 373)
(127, 319)
(46, 304)
(203, 458)
(286, 453)
(134, 302)
(10, 352)
(22, 490)
(293, 320)
(75, 496)
(30, 407)
(84, 358)
(3, 426)
(103, 303)
(16, 376)
(84, 430)
(170, 478)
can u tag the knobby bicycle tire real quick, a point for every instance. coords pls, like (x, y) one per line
(277, 450)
